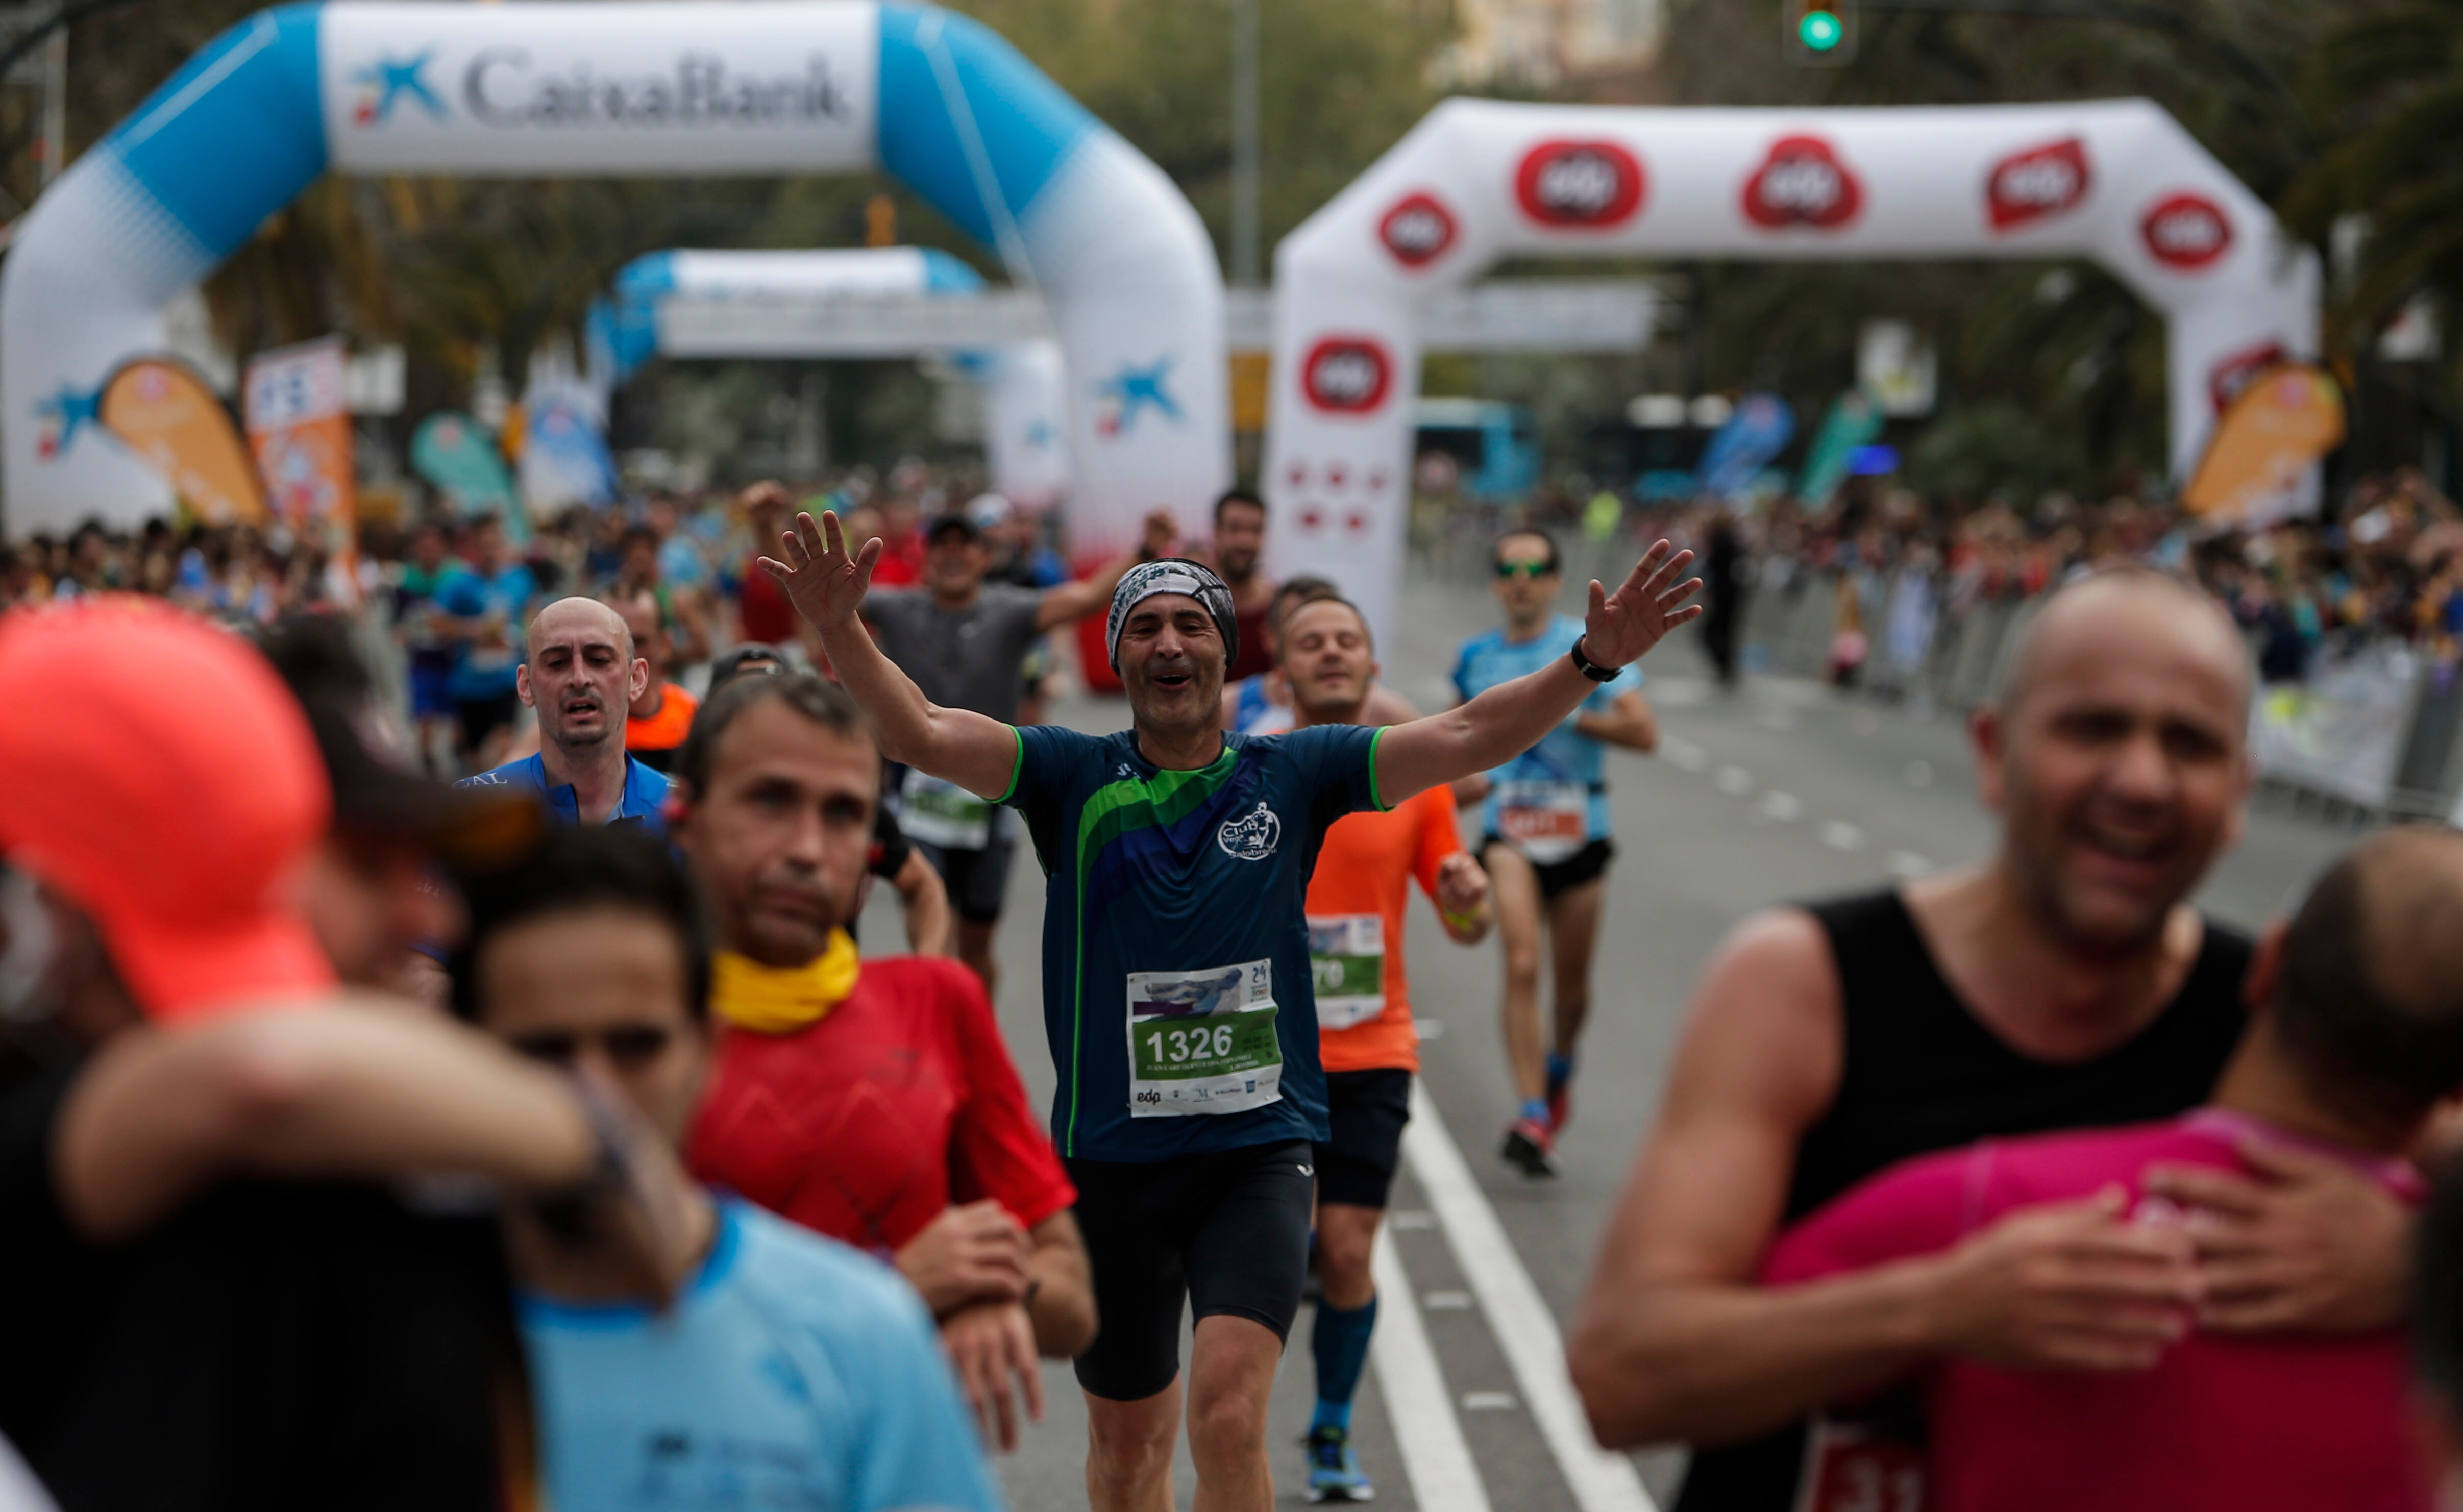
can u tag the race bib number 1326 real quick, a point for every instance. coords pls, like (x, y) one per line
(1203, 1042)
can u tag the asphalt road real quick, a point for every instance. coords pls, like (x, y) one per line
(1782, 790)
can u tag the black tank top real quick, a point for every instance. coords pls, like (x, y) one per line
(1921, 1072)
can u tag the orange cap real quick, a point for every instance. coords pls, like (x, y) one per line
(160, 776)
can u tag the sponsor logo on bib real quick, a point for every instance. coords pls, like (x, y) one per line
(1802, 184)
(2187, 232)
(1346, 375)
(2029, 186)
(1586, 184)
(1252, 836)
(1417, 231)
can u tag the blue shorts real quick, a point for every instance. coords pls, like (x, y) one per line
(431, 693)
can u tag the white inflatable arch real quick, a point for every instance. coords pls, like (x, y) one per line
(593, 87)
(2117, 180)
(1023, 384)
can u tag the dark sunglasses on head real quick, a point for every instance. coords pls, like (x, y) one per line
(1509, 569)
(628, 1047)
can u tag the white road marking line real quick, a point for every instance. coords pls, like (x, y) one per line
(1907, 863)
(1412, 1221)
(1489, 1402)
(1446, 1302)
(1525, 1329)
(1435, 1457)
(1683, 754)
(1783, 806)
(1735, 781)
(1841, 835)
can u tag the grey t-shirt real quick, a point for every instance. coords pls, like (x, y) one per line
(970, 660)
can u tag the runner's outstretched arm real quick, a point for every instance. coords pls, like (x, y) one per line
(1510, 717)
(826, 582)
(1067, 603)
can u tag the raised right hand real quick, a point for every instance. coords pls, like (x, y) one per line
(2069, 1286)
(823, 579)
(976, 1253)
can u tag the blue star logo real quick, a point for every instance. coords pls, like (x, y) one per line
(1132, 390)
(64, 415)
(390, 80)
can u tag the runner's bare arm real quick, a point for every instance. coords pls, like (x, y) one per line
(1067, 603)
(1628, 723)
(1063, 1306)
(1510, 717)
(1675, 1342)
(826, 583)
(925, 899)
(345, 1090)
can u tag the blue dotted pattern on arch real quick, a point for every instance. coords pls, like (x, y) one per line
(1026, 124)
(237, 132)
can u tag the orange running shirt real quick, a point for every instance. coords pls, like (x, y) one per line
(1355, 914)
(665, 730)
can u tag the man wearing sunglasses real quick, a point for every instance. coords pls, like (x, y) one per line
(1544, 816)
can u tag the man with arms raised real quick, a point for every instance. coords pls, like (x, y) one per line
(2065, 984)
(2356, 1034)
(870, 1100)
(964, 642)
(1177, 995)
(1366, 1037)
(581, 673)
(791, 1372)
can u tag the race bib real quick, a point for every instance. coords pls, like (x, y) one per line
(943, 813)
(1854, 1467)
(1203, 1042)
(1347, 961)
(1547, 821)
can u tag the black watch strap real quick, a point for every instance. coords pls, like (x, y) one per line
(1587, 667)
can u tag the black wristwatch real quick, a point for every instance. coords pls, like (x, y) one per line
(1587, 667)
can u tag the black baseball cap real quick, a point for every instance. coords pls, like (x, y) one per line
(955, 520)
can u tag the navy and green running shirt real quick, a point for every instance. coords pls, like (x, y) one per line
(1173, 913)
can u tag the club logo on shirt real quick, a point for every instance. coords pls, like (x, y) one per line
(1252, 836)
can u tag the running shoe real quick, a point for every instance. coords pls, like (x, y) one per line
(1561, 1101)
(1334, 1470)
(1530, 1148)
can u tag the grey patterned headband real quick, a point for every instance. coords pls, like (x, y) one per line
(1174, 575)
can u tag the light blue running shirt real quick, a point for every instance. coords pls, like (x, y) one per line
(794, 1373)
(1551, 800)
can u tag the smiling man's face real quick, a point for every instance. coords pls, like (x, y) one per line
(1171, 660)
(581, 674)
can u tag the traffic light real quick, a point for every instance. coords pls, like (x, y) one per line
(1820, 34)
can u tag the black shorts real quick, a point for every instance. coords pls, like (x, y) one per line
(1366, 1111)
(1588, 864)
(977, 880)
(1227, 1231)
(482, 718)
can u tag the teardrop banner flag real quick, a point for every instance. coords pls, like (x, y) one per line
(299, 426)
(458, 456)
(2275, 430)
(169, 416)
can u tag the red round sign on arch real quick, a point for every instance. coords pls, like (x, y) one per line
(1579, 185)
(1346, 375)
(1418, 230)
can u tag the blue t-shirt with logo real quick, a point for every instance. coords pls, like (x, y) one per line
(1177, 992)
(645, 802)
(487, 671)
(1564, 774)
(792, 1373)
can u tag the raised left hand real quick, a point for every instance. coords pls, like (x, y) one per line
(1162, 530)
(2308, 1245)
(1620, 626)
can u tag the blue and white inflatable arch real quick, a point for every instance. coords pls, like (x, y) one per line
(587, 87)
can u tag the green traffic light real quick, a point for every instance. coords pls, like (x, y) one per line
(1820, 30)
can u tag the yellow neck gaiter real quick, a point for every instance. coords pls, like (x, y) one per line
(771, 1000)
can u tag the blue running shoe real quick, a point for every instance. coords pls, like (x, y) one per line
(1334, 1470)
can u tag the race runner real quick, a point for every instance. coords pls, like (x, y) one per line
(872, 1101)
(965, 642)
(1545, 838)
(656, 719)
(1365, 1035)
(579, 671)
(1175, 939)
(1262, 704)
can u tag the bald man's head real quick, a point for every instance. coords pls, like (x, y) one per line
(2368, 1001)
(579, 671)
(2116, 755)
